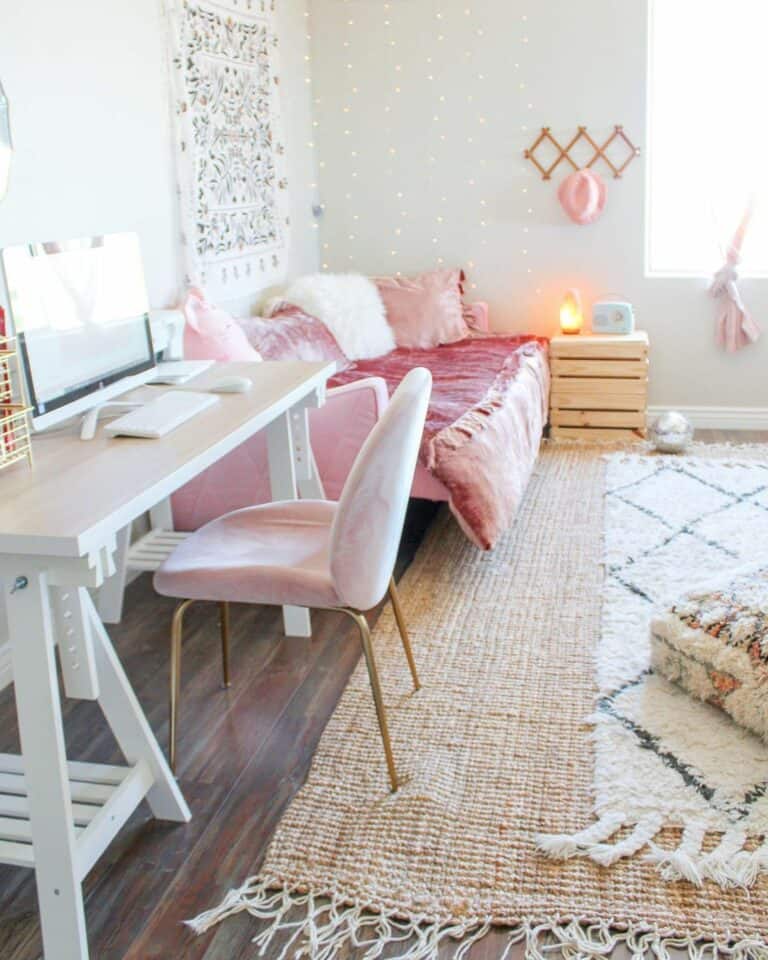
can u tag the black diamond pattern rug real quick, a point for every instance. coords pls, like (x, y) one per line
(662, 758)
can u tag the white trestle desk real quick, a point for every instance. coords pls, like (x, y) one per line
(59, 529)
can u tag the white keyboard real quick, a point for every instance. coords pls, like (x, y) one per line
(175, 372)
(158, 417)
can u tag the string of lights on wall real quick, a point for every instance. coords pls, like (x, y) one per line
(348, 105)
(528, 107)
(311, 145)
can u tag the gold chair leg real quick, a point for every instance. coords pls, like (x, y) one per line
(398, 611)
(175, 679)
(373, 675)
(224, 625)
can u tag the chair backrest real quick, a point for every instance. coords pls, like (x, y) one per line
(369, 520)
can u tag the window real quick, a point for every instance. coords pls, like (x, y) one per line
(707, 134)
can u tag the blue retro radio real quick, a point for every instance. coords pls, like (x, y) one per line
(613, 316)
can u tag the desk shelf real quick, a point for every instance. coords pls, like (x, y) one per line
(149, 552)
(103, 798)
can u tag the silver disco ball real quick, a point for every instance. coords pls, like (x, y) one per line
(671, 432)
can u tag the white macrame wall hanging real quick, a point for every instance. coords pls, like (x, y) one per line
(229, 145)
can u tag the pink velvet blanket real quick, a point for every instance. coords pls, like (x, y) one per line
(484, 424)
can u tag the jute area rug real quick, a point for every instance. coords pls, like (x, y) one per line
(494, 751)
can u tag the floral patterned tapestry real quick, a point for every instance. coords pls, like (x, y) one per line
(230, 153)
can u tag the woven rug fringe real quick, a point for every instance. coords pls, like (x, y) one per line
(318, 926)
(729, 864)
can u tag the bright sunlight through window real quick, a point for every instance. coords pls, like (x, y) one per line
(708, 134)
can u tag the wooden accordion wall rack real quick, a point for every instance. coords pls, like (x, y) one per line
(617, 139)
(15, 443)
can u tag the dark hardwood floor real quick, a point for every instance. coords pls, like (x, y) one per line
(243, 753)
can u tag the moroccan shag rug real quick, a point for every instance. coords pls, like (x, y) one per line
(661, 756)
(497, 751)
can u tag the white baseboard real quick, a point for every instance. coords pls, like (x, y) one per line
(719, 418)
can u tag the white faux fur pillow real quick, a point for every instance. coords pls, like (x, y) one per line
(350, 306)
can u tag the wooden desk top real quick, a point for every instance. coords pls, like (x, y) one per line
(80, 492)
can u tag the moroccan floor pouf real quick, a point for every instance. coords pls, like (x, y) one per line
(713, 642)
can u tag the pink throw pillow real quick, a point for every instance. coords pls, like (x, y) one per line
(291, 334)
(211, 333)
(426, 310)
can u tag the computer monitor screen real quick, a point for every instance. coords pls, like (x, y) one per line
(80, 313)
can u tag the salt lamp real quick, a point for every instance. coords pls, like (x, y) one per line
(571, 317)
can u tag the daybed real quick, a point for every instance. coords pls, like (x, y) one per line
(484, 426)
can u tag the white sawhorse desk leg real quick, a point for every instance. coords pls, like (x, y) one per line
(38, 708)
(109, 596)
(292, 472)
(282, 481)
(60, 862)
(132, 731)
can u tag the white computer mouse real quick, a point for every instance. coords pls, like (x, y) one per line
(231, 385)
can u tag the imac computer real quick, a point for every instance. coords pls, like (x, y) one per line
(81, 316)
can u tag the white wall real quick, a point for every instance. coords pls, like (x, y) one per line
(296, 93)
(410, 177)
(87, 84)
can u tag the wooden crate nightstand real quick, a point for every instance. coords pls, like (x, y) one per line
(599, 386)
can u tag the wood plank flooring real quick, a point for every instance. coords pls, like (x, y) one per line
(243, 753)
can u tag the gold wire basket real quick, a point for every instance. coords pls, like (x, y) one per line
(15, 442)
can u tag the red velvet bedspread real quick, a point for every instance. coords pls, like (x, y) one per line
(484, 424)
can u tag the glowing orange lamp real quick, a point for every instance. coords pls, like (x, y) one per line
(571, 317)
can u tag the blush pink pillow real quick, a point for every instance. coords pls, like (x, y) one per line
(211, 333)
(426, 310)
(292, 334)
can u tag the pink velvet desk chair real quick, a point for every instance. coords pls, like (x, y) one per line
(311, 553)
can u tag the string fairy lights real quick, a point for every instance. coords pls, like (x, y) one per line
(311, 145)
(412, 195)
(523, 87)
